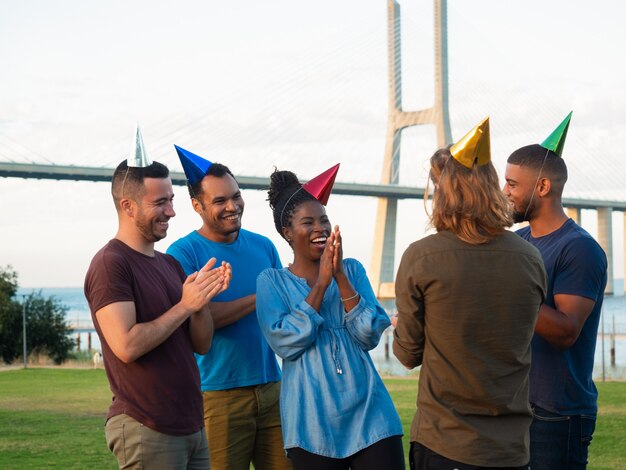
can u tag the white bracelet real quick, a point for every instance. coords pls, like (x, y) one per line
(350, 298)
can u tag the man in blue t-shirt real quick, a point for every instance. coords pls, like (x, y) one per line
(240, 377)
(562, 393)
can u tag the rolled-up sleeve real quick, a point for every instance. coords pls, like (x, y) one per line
(367, 321)
(288, 331)
(408, 336)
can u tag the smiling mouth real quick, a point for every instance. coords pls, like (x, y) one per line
(319, 240)
(232, 217)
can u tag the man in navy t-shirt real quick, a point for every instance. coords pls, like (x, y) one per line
(562, 393)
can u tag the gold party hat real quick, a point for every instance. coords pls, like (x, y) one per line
(474, 147)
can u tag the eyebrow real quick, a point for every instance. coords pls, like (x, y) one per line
(220, 197)
(164, 198)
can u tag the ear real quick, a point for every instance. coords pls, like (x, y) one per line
(197, 206)
(288, 234)
(543, 187)
(128, 207)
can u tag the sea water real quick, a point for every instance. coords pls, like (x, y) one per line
(614, 313)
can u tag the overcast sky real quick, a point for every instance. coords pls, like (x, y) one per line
(299, 85)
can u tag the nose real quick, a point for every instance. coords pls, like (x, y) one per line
(231, 206)
(169, 210)
(505, 189)
(321, 227)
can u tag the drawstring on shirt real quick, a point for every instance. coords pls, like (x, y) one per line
(334, 348)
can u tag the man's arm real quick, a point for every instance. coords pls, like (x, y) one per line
(201, 330)
(408, 335)
(227, 313)
(561, 326)
(130, 340)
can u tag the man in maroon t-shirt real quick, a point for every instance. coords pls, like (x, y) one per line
(151, 318)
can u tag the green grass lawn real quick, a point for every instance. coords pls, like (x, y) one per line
(608, 448)
(53, 418)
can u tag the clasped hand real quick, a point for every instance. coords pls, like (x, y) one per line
(331, 262)
(200, 287)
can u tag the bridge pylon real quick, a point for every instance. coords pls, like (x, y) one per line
(383, 255)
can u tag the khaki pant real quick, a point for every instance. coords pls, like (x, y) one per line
(243, 426)
(138, 447)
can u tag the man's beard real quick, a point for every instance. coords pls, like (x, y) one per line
(526, 214)
(145, 227)
(519, 217)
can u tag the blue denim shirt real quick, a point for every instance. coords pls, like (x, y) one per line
(333, 402)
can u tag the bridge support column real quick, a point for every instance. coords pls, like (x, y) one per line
(383, 251)
(605, 238)
(574, 214)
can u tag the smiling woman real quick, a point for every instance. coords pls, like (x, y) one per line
(321, 317)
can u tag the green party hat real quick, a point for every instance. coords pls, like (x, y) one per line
(556, 140)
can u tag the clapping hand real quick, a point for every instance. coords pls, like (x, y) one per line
(337, 254)
(200, 287)
(325, 275)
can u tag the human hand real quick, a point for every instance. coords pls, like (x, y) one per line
(325, 275)
(200, 287)
(228, 275)
(338, 254)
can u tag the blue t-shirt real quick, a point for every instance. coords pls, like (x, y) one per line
(239, 355)
(561, 380)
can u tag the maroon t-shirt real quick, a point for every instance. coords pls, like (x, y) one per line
(161, 389)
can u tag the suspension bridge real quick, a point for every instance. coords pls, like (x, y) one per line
(218, 126)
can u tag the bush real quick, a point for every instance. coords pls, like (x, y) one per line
(46, 329)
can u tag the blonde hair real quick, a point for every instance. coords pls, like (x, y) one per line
(467, 202)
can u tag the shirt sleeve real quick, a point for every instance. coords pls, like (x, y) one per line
(177, 251)
(276, 264)
(581, 270)
(408, 336)
(367, 321)
(107, 281)
(289, 331)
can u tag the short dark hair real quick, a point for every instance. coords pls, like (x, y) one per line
(533, 156)
(216, 169)
(127, 180)
(285, 194)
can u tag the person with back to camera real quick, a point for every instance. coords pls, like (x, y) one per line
(321, 317)
(151, 318)
(562, 393)
(467, 300)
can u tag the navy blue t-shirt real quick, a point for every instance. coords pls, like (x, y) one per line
(561, 380)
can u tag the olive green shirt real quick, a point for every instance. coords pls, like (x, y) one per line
(466, 313)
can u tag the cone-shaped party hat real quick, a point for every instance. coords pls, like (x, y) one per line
(474, 147)
(138, 154)
(556, 140)
(321, 186)
(195, 167)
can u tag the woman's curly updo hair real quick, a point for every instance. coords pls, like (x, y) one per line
(285, 195)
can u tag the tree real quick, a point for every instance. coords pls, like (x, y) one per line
(46, 328)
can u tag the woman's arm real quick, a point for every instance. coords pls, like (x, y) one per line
(367, 320)
(288, 331)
